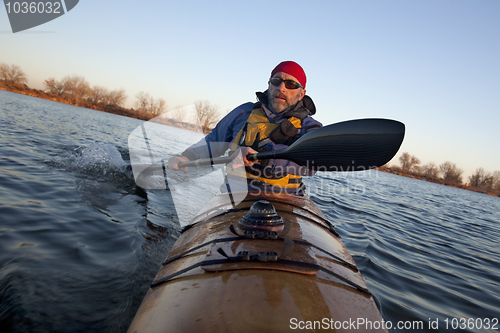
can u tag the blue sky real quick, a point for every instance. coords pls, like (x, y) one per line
(434, 65)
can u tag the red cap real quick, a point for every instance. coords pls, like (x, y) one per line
(292, 68)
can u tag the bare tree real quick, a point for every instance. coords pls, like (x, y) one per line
(405, 160)
(4, 68)
(430, 171)
(496, 182)
(415, 166)
(157, 106)
(416, 170)
(142, 101)
(117, 97)
(98, 95)
(207, 114)
(409, 163)
(481, 180)
(76, 88)
(147, 104)
(12, 75)
(161, 105)
(451, 173)
(53, 86)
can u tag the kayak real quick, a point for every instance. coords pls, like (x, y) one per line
(272, 263)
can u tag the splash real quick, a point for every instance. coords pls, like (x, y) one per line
(96, 161)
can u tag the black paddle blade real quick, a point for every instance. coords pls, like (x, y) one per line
(353, 145)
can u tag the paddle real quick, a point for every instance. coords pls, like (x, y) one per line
(352, 145)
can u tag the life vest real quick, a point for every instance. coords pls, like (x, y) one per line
(257, 133)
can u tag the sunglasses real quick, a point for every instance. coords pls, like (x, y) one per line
(289, 84)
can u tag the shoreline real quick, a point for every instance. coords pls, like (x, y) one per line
(114, 109)
(25, 90)
(394, 171)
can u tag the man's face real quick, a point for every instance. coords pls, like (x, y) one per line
(280, 97)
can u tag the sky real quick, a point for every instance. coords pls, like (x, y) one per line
(433, 65)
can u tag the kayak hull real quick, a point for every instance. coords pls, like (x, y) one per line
(314, 285)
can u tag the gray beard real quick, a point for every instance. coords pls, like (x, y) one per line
(271, 107)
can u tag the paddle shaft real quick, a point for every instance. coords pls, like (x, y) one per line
(227, 159)
(353, 145)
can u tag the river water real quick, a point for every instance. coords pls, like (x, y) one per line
(80, 242)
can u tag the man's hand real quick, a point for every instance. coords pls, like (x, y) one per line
(240, 157)
(173, 163)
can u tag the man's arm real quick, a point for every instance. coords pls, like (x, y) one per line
(288, 167)
(218, 141)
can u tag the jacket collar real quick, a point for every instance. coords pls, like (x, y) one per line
(305, 104)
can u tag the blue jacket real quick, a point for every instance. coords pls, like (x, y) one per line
(221, 137)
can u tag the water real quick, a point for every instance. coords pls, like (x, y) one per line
(427, 251)
(80, 242)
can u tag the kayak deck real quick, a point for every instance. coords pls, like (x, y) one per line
(218, 279)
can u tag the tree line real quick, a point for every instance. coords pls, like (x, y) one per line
(446, 173)
(75, 90)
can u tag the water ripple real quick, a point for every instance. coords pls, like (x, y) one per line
(425, 250)
(80, 243)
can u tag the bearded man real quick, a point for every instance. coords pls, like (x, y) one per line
(281, 115)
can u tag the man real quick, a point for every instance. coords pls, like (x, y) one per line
(281, 115)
